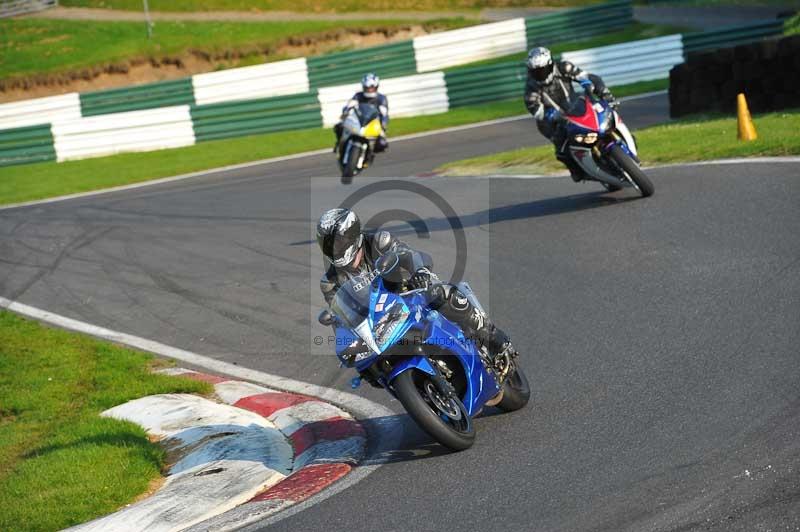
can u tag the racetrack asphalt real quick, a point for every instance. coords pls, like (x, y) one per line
(660, 335)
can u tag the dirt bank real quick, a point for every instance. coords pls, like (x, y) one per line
(150, 69)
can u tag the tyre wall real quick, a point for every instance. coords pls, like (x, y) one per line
(767, 72)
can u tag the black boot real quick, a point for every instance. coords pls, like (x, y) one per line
(337, 132)
(494, 338)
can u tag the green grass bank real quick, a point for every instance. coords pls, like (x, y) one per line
(60, 462)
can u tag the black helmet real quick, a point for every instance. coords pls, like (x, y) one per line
(540, 65)
(339, 236)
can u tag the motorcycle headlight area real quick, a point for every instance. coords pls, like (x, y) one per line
(589, 138)
(388, 324)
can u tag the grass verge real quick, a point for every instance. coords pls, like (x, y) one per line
(44, 180)
(60, 462)
(792, 25)
(696, 139)
(41, 46)
(318, 5)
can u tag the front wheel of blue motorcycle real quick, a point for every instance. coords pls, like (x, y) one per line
(444, 418)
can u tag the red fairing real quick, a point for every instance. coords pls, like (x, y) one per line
(589, 118)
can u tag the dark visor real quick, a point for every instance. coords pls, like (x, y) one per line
(541, 73)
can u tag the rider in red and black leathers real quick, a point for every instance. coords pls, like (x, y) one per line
(349, 252)
(550, 84)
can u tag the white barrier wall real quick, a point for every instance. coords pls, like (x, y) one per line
(408, 96)
(246, 83)
(624, 63)
(40, 111)
(457, 47)
(76, 137)
(153, 129)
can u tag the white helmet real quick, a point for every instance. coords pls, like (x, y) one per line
(540, 65)
(369, 84)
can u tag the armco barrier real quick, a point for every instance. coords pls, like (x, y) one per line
(342, 67)
(28, 144)
(237, 113)
(298, 76)
(250, 117)
(499, 81)
(138, 97)
(408, 96)
(630, 62)
(12, 8)
(153, 129)
(731, 36)
(617, 64)
(247, 83)
(577, 23)
(458, 47)
(40, 111)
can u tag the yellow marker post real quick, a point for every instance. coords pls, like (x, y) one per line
(747, 130)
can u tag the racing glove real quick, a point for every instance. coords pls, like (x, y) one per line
(587, 85)
(421, 279)
(609, 98)
(551, 115)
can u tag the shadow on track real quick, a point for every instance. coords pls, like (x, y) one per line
(518, 211)
(397, 438)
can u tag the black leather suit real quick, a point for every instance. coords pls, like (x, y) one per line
(539, 98)
(443, 297)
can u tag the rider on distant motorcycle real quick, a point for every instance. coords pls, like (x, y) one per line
(369, 94)
(349, 252)
(549, 83)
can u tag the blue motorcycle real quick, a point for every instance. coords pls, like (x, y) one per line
(440, 376)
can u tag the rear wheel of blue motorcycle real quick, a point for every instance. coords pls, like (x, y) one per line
(516, 391)
(455, 432)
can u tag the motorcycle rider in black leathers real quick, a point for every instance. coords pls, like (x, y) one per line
(550, 83)
(349, 252)
(369, 94)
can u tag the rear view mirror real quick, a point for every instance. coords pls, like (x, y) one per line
(387, 263)
(326, 318)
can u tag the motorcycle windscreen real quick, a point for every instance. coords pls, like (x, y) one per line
(583, 114)
(367, 112)
(351, 302)
(351, 122)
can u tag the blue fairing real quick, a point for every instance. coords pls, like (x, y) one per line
(624, 145)
(393, 318)
(415, 362)
(481, 385)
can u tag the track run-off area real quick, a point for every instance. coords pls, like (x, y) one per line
(659, 335)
